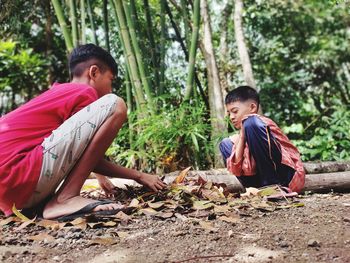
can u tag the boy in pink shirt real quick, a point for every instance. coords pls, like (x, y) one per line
(62, 135)
(260, 154)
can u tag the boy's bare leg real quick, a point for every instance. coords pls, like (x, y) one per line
(68, 200)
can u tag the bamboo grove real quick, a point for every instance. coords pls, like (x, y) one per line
(143, 68)
(177, 61)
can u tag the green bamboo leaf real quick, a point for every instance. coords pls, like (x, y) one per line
(195, 142)
(19, 214)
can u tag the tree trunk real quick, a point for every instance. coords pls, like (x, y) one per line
(242, 48)
(217, 110)
(223, 49)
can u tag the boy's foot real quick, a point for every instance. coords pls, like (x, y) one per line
(55, 209)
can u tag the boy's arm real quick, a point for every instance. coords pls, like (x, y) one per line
(107, 168)
(240, 144)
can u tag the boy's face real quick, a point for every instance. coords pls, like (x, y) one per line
(103, 82)
(238, 110)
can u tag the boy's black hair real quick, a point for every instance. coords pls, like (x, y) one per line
(242, 93)
(88, 52)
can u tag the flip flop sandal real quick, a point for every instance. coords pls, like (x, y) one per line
(87, 211)
(284, 192)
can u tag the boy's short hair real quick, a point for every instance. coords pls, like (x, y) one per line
(242, 93)
(96, 54)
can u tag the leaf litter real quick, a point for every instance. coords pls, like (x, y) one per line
(185, 199)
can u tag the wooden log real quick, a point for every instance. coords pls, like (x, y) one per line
(338, 182)
(326, 167)
(322, 182)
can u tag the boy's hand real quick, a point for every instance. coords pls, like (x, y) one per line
(107, 186)
(151, 181)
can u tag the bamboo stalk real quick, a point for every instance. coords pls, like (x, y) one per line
(83, 23)
(105, 24)
(59, 14)
(73, 20)
(124, 34)
(183, 47)
(193, 50)
(92, 23)
(162, 47)
(141, 67)
(127, 69)
(152, 43)
(185, 21)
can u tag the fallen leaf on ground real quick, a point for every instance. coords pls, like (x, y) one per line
(181, 177)
(8, 220)
(123, 217)
(199, 205)
(164, 215)
(134, 203)
(25, 224)
(41, 237)
(103, 241)
(122, 234)
(208, 226)
(155, 205)
(19, 214)
(148, 211)
(229, 219)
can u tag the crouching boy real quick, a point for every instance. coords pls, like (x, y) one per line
(62, 136)
(260, 154)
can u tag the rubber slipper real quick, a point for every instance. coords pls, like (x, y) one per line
(87, 210)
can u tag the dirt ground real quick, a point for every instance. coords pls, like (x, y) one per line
(316, 232)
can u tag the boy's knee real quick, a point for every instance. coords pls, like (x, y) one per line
(121, 108)
(253, 123)
(225, 143)
(225, 146)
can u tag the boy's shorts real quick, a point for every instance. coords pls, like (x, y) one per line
(63, 148)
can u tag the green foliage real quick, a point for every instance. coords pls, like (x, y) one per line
(165, 140)
(331, 139)
(21, 72)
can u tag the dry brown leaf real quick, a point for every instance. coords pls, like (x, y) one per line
(250, 191)
(181, 177)
(148, 211)
(42, 237)
(51, 224)
(109, 223)
(134, 203)
(155, 205)
(78, 221)
(221, 208)
(199, 205)
(103, 241)
(122, 234)
(123, 217)
(25, 224)
(229, 219)
(164, 215)
(9, 220)
(208, 226)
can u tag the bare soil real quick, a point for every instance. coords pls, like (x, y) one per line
(317, 232)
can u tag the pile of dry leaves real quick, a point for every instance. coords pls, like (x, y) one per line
(185, 199)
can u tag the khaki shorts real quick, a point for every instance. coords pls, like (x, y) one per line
(63, 148)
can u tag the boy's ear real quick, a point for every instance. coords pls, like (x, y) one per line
(254, 107)
(93, 71)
